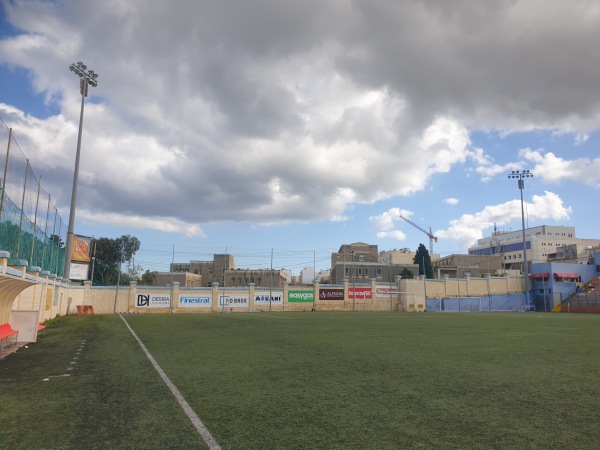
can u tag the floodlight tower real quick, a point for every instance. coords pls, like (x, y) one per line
(86, 78)
(520, 175)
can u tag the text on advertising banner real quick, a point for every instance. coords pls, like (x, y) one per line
(331, 294)
(361, 293)
(79, 271)
(195, 301)
(234, 300)
(262, 297)
(297, 296)
(153, 300)
(386, 291)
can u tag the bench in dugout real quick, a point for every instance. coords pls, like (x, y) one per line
(6, 332)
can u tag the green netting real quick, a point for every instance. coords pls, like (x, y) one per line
(23, 240)
(30, 228)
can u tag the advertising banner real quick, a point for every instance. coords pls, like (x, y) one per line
(262, 298)
(153, 300)
(81, 249)
(301, 296)
(234, 300)
(331, 294)
(386, 291)
(79, 271)
(360, 293)
(195, 301)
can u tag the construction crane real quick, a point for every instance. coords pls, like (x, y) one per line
(428, 233)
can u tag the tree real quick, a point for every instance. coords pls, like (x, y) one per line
(148, 278)
(56, 239)
(110, 255)
(423, 260)
(406, 274)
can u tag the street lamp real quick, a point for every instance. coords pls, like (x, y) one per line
(520, 175)
(87, 78)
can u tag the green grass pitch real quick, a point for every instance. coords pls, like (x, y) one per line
(311, 380)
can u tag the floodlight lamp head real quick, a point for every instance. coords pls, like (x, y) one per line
(79, 64)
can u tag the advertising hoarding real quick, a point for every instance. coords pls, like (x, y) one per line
(79, 271)
(331, 294)
(299, 296)
(81, 249)
(386, 291)
(262, 298)
(362, 293)
(234, 300)
(195, 301)
(153, 300)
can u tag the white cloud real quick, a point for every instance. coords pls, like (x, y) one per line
(581, 138)
(168, 225)
(469, 227)
(452, 201)
(554, 169)
(393, 234)
(283, 112)
(385, 223)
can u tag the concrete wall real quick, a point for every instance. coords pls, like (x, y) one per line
(53, 298)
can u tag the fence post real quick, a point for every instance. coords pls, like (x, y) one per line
(5, 172)
(22, 206)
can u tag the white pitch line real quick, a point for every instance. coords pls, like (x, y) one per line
(208, 438)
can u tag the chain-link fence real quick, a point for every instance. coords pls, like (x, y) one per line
(30, 227)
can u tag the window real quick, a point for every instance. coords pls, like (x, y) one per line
(378, 271)
(347, 271)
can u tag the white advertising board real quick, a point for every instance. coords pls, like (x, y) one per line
(195, 301)
(386, 291)
(79, 271)
(153, 300)
(262, 297)
(234, 300)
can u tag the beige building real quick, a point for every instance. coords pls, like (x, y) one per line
(183, 278)
(361, 263)
(259, 277)
(357, 252)
(459, 266)
(401, 256)
(211, 271)
(364, 272)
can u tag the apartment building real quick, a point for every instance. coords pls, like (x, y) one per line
(543, 243)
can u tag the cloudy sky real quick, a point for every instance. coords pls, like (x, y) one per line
(250, 125)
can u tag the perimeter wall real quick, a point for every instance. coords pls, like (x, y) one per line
(52, 297)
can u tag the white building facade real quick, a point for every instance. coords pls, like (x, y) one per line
(543, 243)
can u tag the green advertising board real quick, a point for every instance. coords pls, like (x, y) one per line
(301, 296)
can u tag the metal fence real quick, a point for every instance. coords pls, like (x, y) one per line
(30, 227)
(508, 302)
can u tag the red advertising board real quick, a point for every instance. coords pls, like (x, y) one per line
(331, 294)
(361, 293)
